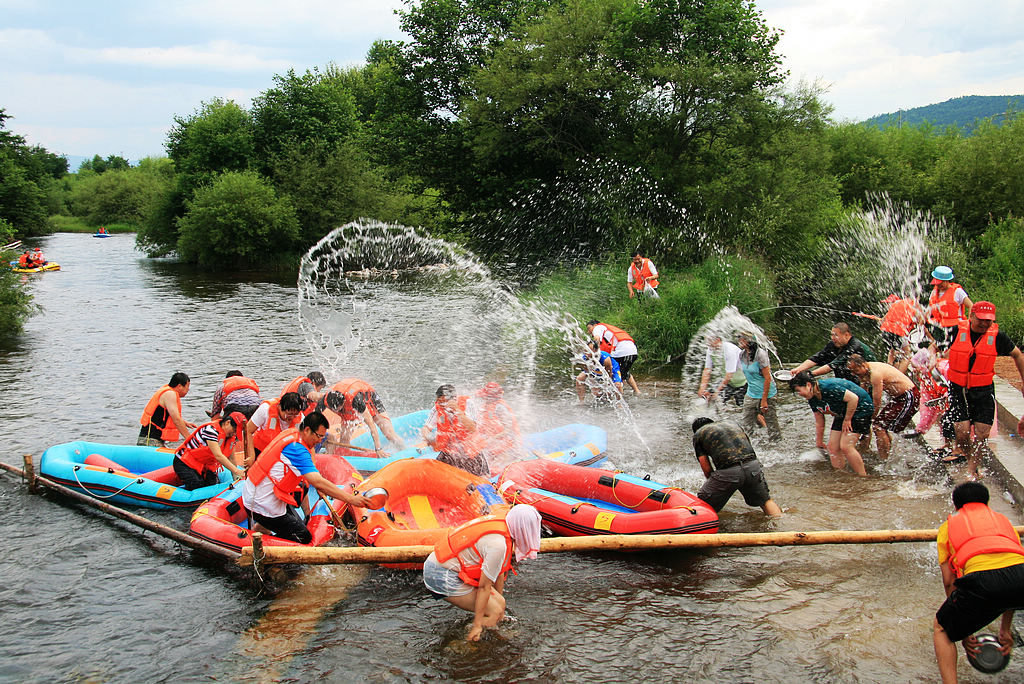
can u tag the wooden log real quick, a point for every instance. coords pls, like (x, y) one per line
(258, 553)
(30, 473)
(612, 542)
(145, 523)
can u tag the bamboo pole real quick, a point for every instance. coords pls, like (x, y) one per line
(612, 542)
(145, 523)
(258, 553)
(30, 473)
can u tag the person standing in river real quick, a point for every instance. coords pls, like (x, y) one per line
(730, 465)
(895, 397)
(734, 383)
(972, 357)
(948, 305)
(761, 393)
(833, 357)
(852, 409)
(620, 345)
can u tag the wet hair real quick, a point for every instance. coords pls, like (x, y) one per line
(800, 379)
(842, 327)
(636, 253)
(233, 374)
(179, 380)
(593, 321)
(317, 378)
(446, 391)
(304, 389)
(856, 360)
(751, 338)
(969, 492)
(700, 422)
(291, 401)
(334, 400)
(924, 344)
(314, 421)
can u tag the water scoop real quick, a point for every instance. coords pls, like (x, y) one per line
(988, 658)
(378, 496)
(783, 375)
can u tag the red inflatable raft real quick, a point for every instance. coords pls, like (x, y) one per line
(223, 519)
(578, 501)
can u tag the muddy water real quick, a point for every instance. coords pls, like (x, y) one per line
(86, 598)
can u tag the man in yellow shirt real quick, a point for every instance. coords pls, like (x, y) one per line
(982, 563)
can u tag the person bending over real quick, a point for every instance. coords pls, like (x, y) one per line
(208, 449)
(852, 408)
(735, 466)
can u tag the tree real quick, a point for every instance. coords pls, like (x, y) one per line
(101, 165)
(15, 300)
(238, 221)
(117, 196)
(24, 180)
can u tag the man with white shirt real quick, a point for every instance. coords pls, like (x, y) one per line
(733, 386)
(619, 344)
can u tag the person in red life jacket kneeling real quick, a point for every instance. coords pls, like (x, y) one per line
(353, 399)
(270, 419)
(972, 355)
(982, 564)
(200, 457)
(450, 430)
(469, 566)
(274, 483)
(161, 419)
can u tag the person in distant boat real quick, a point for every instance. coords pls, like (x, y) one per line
(270, 419)
(982, 564)
(451, 431)
(161, 419)
(497, 426)
(38, 258)
(619, 344)
(730, 464)
(948, 306)
(972, 356)
(734, 383)
(761, 393)
(895, 396)
(642, 277)
(835, 354)
(208, 449)
(102, 231)
(273, 484)
(469, 566)
(354, 399)
(25, 260)
(237, 393)
(595, 360)
(852, 409)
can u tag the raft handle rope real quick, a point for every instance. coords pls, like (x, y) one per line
(97, 496)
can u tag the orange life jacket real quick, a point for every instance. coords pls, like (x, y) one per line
(293, 386)
(943, 309)
(168, 431)
(643, 275)
(350, 387)
(468, 534)
(201, 458)
(289, 483)
(983, 351)
(237, 382)
(497, 436)
(452, 436)
(976, 529)
(902, 317)
(617, 334)
(274, 425)
(23, 261)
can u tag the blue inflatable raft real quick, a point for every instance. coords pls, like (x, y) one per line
(124, 474)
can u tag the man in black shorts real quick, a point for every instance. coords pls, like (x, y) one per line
(735, 466)
(982, 564)
(972, 356)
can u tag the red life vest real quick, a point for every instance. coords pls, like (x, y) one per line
(293, 386)
(24, 261)
(983, 351)
(497, 437)
(168, 431)
(643, 275)
(200, 458)
(350, 387)
(237, 382)
(453, 437)
(612, 333)
(289, 483)
(976, 529)
(901, 318)
(943, 309)
(274, 425)
(468, 534)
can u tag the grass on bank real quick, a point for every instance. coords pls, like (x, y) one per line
(72, 224)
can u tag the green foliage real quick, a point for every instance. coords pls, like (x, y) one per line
(116, 196)
(27, 176)
(238, 221)
(963, 113)
(15, 301)
(100, 165)
(998, 275)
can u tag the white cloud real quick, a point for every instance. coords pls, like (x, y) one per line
(221, 55)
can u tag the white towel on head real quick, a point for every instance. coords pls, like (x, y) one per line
(524, 524)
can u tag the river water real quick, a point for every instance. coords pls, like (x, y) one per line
(87, 598)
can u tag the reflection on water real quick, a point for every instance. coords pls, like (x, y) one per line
(85, 597)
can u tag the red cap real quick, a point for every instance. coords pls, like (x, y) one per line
(238, 419)
(985, 311)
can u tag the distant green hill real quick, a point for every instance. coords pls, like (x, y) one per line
(961, 112)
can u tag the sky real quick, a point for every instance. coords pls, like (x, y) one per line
(109, 76)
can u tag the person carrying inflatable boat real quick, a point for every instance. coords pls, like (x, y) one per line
(208, 449)
(274, 483)
(469, 566)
